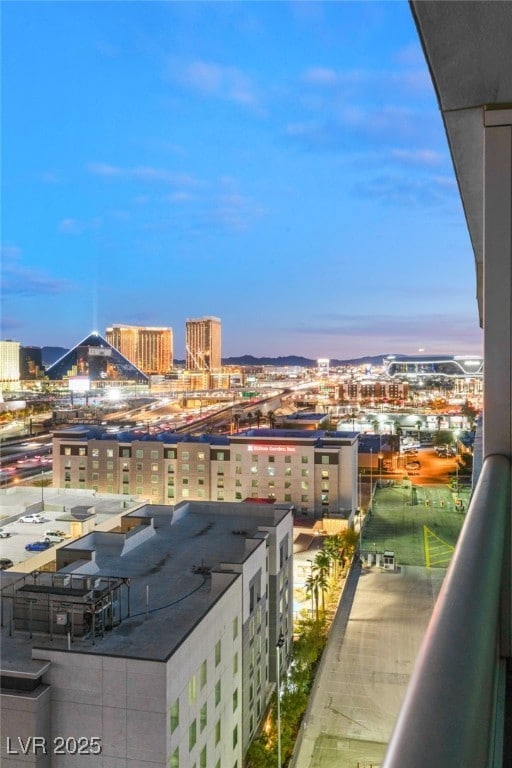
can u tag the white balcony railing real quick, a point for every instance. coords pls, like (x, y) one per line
(452, 716)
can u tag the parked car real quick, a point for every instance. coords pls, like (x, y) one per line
(60, 534)
(36, 517)
(54, 536)
(4, 534)
(38, 546)
(5, 563)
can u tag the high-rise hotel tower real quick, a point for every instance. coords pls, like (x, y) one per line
(203, 344)
(149, 348)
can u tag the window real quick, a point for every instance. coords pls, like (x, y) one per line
(304, 497)
(139, 454)
(287, 459)
(125, 452)
(325, 474)
(95, 476)
(217, 653)
(235, 627)
(217, 693)
(154, 478)
(185, 493)
(220, 496)
(175, 759)
(200, 493)
(202, 674)
(304, 459)
(154, 467)
(200, 455)
(235, 736)
(271, 471)
(126, 465)
(238, 457)
(271, 459)
(170, 481)
(200, 467)
(271, 484)
(67, 451)
(287, 484)
(174, 715)
(287, 471)
(192, 735)
(235, 664)
(185, 467)
(138, 478)
(238, 496)
(325, 459)
(325, 486)
(254, 459)
(192, 689)
(138, 489)
(304, 485)
(95, 464)
(83, 452)
(238, 471)
(110, 476)
(220, 456)
(304, 472)
(254, 470)
(203, 717)
(138, 465)
(154, 454)
(287, 497)
(238, 483)
(200, 480)
(170, 493)
(235, 699)
(184, 480)
(217, 732)
(202, 758)
(185, 456)
(220, 472)
(254, 483)
(95, 452)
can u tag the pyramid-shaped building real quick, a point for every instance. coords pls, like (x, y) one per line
(96, 359)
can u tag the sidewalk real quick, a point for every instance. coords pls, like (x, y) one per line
(366, 666)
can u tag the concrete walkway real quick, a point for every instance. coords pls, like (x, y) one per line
(362, 679)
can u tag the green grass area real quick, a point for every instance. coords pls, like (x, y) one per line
(420, 525)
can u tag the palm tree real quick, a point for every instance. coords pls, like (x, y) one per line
(321, 568)
(249, 418)
(311, 587)
(271, 419)
(236, 420)
(258, 415)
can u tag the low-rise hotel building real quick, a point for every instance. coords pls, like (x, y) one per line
(314, 471)
(151, 646)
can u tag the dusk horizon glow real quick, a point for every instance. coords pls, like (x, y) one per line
(282, 166)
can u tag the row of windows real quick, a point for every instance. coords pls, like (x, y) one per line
(184, 456)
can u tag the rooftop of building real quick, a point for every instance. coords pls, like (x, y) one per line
(177, 563)
(97, 432)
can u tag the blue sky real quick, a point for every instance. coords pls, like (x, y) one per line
(279, 165)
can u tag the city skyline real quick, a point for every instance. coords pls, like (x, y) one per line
(282, 166)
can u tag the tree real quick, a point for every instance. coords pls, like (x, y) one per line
(258, 415)
(236, 420)
(311, 587)
(271, 419)
(321, 568)
(249, 418)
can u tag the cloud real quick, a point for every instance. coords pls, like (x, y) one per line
(399, 190)
(143, 173)
(70, 227)
(216, 80)
(423, 157)
(20, 281)
(393, 333)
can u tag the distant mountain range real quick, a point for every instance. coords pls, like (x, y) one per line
(51, 354)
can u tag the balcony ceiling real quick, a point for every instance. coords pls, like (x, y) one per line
(468, 47)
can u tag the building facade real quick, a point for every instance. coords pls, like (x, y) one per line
(154, 644)
(203, 344)
(9, 361)
(316, 472)
(149, 348)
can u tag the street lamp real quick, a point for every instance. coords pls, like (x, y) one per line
(42, 492)
(279, 645)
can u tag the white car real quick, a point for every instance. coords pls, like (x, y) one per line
(4, 534)
(54, 536)
(34, 518)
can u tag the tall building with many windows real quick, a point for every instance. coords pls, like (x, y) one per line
(149, 348)
(9, 361)
(154, 645)
(203, 344)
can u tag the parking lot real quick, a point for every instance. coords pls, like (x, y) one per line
(22, 534)
(412, 521)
